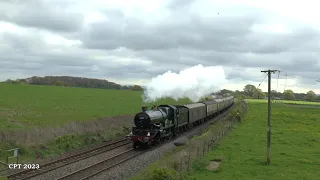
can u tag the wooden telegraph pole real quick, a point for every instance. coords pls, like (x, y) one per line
(269, 112)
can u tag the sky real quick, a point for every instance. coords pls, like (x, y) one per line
(132, 41)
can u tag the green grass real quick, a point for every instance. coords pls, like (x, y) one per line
(295, 146)
(49, 111)
(23, 106)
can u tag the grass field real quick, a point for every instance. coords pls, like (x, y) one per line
(45, 121)
(295, 146)
(23, 106)
(285, 101)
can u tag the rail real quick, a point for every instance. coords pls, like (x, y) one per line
(92, 170)
(68, 160)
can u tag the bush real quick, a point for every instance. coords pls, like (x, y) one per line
(164, 174)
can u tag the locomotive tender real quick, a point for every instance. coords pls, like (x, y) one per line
(166, 121)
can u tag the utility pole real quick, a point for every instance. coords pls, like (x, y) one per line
(269, 112)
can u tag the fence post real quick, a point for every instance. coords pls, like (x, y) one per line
(181, 169)
(203, 148)
(189, 159)
(15, 155)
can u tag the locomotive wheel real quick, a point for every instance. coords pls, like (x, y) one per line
(147, 145)
(135, 145)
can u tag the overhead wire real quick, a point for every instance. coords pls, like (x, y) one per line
(285, 84)
(263, 80)
(308, 77)
(286, 74)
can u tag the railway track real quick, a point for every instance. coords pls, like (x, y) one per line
(87, 153)
(92, 170)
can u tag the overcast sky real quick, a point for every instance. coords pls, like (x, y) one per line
(131, 41)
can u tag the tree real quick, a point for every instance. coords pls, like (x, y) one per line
(288, 95)
(226, 95)
(137, 88)
(258, 94)
(275, 94)
(311, 96)
(225, 91)
(249, 90)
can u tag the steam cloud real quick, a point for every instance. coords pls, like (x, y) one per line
(194, 83)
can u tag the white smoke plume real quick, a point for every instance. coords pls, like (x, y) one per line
(194, 83)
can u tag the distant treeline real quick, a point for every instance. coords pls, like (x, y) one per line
(252, 92)
(69, 81)
(249, 91)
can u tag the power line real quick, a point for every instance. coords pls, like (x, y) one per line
(277, 80)
(286, 74)
(262, 80)
(301, 76)
(285, 84)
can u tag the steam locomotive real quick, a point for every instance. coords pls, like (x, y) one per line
(166, 121)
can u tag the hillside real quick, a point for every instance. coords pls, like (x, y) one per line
(70, 81)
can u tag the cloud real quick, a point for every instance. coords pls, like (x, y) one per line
(42, 14)
(133, 42)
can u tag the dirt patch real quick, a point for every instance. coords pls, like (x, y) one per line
(4, 112)
(15, 123)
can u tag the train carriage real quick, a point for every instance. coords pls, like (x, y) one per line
(212, 108)
(220, 104)
(183, 116)
(225, 102)
(230, 100)
(197, 111)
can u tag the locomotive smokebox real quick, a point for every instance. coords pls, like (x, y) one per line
(144, 108)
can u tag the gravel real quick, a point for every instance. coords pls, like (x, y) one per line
(81, 164)
(134, 166)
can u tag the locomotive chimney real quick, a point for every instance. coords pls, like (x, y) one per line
(144, 108)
